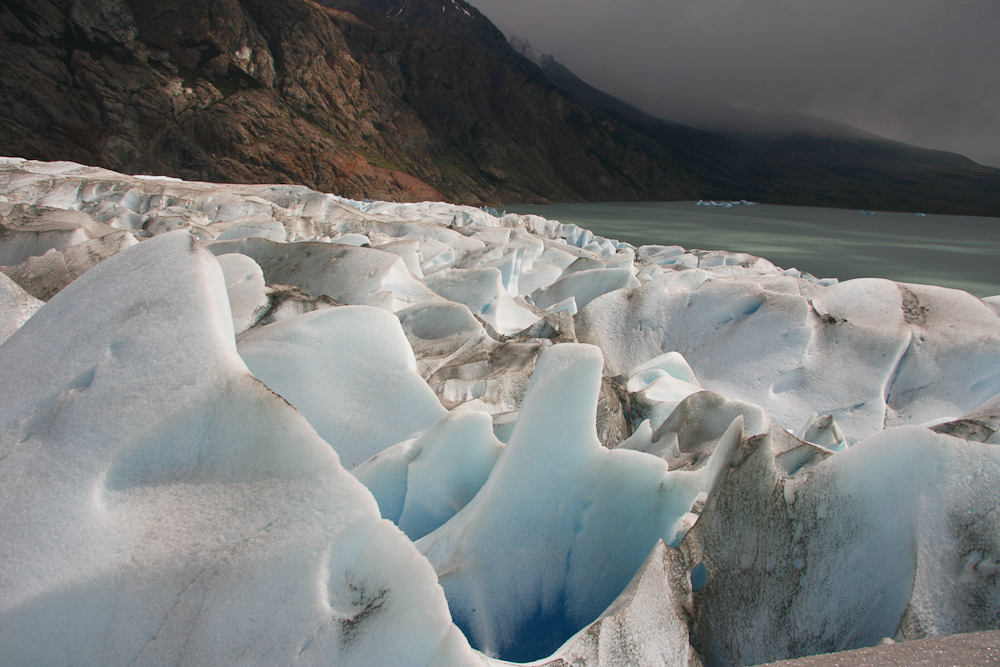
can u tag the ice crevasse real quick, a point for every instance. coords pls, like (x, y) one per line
(264, 425)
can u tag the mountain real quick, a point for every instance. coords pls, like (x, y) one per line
(292, 91)
(803, 159)
(397, 99)
(694, 112)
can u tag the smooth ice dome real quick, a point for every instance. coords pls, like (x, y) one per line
(262, 425)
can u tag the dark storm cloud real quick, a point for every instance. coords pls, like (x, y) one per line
(922, 71)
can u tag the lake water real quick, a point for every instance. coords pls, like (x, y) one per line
(949, 250)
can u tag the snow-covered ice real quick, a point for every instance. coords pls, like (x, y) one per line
(258, 424)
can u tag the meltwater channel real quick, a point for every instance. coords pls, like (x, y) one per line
(948, 250)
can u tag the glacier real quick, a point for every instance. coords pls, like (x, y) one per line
(262, 425)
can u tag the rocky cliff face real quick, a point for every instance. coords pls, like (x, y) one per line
(291, 91)
(391, 99)
(251, 91)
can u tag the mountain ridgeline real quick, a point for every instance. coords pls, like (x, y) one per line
(402, 100)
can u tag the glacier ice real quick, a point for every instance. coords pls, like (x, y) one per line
(350, 372)
(484, 293)
(247, 290)
(574, 555)
(657, 386)
(645, 625)
(345, 273)
(853, 548)
(258, 424)
(43, 276)
(16, 306)
(162, 506)
(31, 231)
(420, 484)
(869, 352)
(585, 286)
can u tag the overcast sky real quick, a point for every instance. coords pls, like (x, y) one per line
(922, 71)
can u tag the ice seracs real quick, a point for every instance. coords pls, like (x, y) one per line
(840, 550)
(581, 518)
(350, 372)
(345, 273)
(483, 292)
(658, 385)
(421, 483)
(645, 625)
(31, 230)
(162, 506)
(868, 352)
(217, 400)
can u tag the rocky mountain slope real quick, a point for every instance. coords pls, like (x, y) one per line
(393, 99)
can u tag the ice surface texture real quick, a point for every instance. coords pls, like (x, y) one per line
(162, 506)
(265, 425)
(16, 306)
(579, 517)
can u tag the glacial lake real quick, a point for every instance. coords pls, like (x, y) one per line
(949, 250)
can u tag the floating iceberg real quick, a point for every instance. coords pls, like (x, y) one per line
(261, 425)
(725, 204)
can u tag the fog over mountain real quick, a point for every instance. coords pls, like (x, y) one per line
(925, 72)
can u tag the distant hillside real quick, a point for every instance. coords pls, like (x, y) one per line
(805, 160)
(399, 99)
